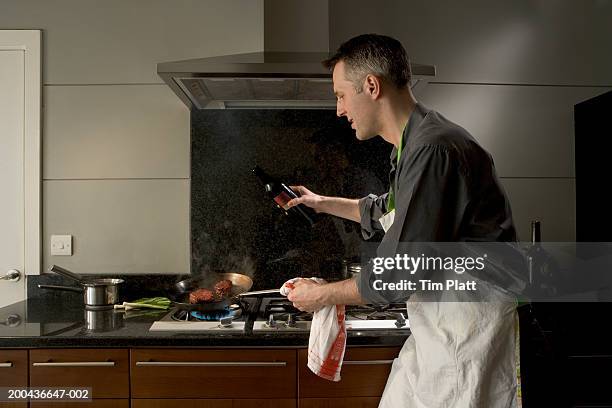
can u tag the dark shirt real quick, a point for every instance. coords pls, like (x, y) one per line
(446, 190)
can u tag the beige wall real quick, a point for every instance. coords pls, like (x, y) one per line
(291, 25)
(509, 72)
(115, 138)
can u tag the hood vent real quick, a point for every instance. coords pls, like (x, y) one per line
(272, 78)
(258, 80)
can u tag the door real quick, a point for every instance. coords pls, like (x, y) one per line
(19, 161)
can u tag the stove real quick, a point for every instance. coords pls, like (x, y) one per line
(277, 314)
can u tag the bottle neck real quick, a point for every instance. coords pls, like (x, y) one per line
(536, 235)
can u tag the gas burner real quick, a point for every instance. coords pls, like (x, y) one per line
(234, 311)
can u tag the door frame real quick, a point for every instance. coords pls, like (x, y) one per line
(30, 42)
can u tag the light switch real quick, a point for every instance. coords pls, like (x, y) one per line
(61, 245)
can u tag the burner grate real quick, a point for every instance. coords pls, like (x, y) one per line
(384, 312)
(281, 309)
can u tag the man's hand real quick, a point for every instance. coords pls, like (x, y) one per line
(307, 197)
(307, 295)
(338, 206)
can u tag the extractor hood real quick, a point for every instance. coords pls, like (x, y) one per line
(259, 79)
(272, 78)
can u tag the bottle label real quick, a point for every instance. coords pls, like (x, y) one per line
(282, 199)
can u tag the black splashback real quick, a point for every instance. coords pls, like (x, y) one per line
(236, 227)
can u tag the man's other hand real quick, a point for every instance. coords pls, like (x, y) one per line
(307, 295)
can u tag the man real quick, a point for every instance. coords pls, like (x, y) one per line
(443, 189)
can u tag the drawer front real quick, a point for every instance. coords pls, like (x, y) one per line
(105, 371)
(364, 374)
(229, 373)
(13, 368)
(214, 403)
(13, 405)
(356, 402)
(101, 403)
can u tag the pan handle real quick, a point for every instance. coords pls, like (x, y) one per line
(58, 287)
(259, 292)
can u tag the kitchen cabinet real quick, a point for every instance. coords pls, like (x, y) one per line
(13, 368)
(13, 373)
(105, 371)
(213, 403)
(578, 372)
(357, 402)
(220, 373)
(204, 378)
(97, 403)
(364, 376)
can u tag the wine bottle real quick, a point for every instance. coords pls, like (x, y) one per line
(534, 253)
(541, 265)
(282, 194)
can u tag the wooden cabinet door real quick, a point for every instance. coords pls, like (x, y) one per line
(13, 373)
(364, 374)
(96, 403)
(13, 368)
(105, 371)
(221, 373)
(347, 402)
(214, 403)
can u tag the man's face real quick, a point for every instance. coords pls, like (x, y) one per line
(357, 107)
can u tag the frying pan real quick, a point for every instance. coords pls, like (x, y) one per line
(240, 287)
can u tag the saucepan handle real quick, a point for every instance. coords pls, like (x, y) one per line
(58, 287)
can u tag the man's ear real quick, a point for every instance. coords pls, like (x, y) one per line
(372, 86)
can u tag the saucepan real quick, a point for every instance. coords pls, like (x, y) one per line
(98, 294)
(240, 288)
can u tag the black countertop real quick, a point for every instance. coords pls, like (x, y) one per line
(57, 320)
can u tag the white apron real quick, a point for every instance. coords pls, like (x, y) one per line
(460, 354)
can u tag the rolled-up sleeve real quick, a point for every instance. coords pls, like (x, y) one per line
(371, 208)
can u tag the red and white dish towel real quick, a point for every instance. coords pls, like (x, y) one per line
(327, 341)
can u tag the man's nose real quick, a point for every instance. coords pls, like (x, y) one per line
(340, 110)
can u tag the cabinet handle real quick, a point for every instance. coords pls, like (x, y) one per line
(367, 362)
(211, 363)
(8, 364)
(77, 364)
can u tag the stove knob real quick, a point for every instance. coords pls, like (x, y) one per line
(271, 322)
(290, 320)
(401, 320)
(226, 321)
